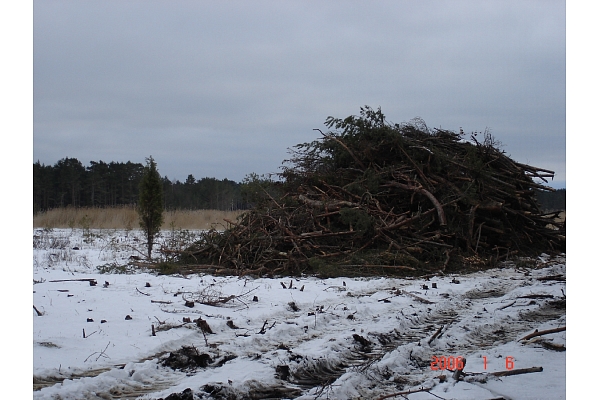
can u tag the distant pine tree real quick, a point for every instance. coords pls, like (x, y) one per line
(150, 204)
(552, 201)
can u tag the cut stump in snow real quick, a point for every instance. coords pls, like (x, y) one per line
(187, 358)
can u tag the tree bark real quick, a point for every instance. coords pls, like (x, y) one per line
(546, 332)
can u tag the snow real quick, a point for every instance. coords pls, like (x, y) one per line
(313, 330)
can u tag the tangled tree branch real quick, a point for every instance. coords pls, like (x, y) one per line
(371, 197)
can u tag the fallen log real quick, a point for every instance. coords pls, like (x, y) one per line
(552, 346)
(552, 278)
(482, 378)
(536, 296)
(322, 204)
(506, 306)
(517, 371)
(546, 332)
(428, 194)
(435, 335)
(377, 266)
(414, 296)
(404, 393)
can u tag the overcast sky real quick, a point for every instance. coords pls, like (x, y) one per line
(223, 88)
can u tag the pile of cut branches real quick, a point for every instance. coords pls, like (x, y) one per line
(370, 197)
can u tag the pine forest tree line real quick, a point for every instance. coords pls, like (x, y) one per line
(553, 201)
(69, 183)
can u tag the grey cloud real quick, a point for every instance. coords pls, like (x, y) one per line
(249, 79)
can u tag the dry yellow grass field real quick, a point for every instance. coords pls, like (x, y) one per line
(127, 218)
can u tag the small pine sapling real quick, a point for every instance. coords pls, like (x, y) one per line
(150, 205)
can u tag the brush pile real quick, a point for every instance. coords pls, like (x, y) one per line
(370, 197)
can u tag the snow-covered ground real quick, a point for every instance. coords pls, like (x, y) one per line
(303, 338)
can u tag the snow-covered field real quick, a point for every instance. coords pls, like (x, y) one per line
(302, 338)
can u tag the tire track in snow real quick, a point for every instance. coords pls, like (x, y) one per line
(481, 336)
(414, 322)
(128, 381)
